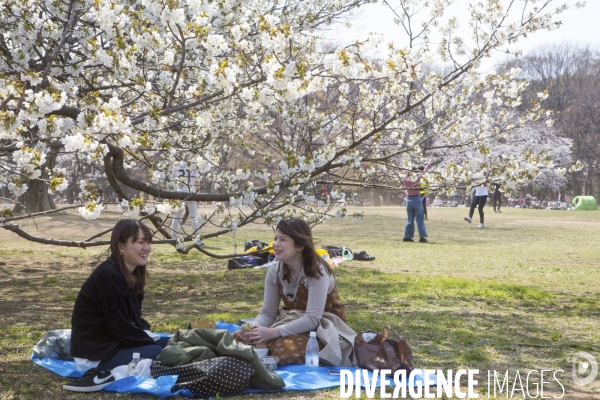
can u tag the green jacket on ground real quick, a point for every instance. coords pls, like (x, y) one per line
(193, 345)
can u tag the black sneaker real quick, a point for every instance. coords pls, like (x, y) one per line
(363, 256)
(408, 240)
(422, 240)
(92, 381)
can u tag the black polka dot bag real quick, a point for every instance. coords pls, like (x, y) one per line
(220, 375)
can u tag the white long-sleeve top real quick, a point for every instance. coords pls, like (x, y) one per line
(481, 191)
(318, 289)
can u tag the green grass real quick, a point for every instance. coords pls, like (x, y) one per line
(521, 294)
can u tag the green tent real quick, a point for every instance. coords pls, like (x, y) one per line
(585, 203)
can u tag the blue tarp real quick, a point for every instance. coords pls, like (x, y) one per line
(296, 377)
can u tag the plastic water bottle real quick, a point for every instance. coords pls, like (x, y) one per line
(132, 364)
(311, 359)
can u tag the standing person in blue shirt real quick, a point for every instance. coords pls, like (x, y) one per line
(414, 205)
(479, 199)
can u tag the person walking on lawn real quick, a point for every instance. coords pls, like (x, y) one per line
(497, 198)
(414, 204)
(479, 199)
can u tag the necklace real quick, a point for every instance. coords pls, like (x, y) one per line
(294, 287)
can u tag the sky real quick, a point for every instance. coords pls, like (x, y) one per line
(580, 26)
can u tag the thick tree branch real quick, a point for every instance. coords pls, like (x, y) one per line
(55, 242)
(42, 213)
(122, 175)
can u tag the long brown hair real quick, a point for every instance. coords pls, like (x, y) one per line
(124, 230)
(300, 232)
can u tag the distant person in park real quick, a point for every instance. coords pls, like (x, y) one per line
(479, 199)
(424, 192)
(497, 198)
(305, 284)
(107, 323)
(186, 181)
(414, 204)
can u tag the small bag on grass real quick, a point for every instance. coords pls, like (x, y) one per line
(376, 351)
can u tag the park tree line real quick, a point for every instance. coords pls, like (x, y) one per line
(570, 73)
(98, 95)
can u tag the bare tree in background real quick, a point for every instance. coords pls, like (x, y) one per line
(571, 73)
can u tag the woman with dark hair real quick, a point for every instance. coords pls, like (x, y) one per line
(305, 284)
(480, 196)
(107, 323)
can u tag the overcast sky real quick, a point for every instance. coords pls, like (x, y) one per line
(580, 25)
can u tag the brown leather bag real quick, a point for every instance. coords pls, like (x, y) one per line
(377, 351)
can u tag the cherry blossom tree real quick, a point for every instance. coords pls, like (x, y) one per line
(243, 93)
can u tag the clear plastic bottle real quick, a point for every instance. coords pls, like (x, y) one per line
(311, 359)
(132, 364)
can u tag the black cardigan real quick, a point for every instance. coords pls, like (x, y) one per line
(107, 317)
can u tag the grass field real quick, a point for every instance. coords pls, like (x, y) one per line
(521, 294)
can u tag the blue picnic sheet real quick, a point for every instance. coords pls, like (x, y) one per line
(296, 377)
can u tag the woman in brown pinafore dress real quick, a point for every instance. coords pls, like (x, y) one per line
(305, 283)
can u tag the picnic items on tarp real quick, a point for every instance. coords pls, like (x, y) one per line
(219, 375)
(339, 252)
(333, 251)
(345, 254)
(377, 351)
(296, 377)
(256, 253)
(261, 254)
(270, 362)
(140, 369)
(189, 346)
(54, 344)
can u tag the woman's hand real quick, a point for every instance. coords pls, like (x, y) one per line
(260, 334)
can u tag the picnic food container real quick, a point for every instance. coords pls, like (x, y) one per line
(261, 352)
(270, 362)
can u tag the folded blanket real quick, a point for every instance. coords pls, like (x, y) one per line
(192, 345)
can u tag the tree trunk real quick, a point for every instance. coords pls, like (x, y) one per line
(35, 199)
(376, 201)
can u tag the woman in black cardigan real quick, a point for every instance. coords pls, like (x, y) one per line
(107, 323)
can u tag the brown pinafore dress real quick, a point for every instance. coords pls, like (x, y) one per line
(291, 349)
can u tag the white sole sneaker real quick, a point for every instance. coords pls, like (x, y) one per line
(92, 381)
(481, 226)
(468, 219)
